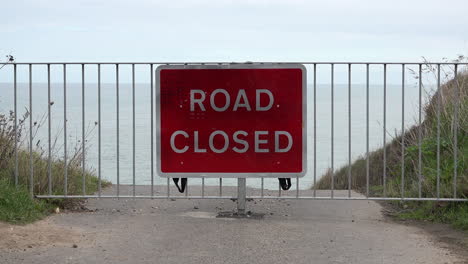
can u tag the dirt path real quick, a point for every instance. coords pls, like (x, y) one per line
(186, 231)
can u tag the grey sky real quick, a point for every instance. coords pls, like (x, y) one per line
(366, 30)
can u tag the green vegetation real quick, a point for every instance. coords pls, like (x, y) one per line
(453, 213)
(16, 204)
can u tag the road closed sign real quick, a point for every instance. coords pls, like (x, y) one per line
(238, 120)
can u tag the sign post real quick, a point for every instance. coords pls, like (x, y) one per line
(231, 121)
(241, 195)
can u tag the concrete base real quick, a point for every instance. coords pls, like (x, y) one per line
(248, 215)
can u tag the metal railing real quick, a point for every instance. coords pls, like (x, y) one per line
(366, 192)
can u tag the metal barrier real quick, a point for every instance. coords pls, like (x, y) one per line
(366, 190)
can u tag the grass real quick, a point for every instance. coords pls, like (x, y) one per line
(16, 204)
(455, 214)
(452, 213)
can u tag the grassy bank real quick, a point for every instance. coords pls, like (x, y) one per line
(453, 95)
(16, 205)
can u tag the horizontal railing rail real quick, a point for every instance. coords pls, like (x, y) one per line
(248, 62)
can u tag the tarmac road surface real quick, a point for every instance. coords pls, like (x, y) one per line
(187, 231)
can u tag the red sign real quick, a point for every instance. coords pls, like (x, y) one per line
(239, 120)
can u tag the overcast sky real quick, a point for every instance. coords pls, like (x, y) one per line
(237, 30)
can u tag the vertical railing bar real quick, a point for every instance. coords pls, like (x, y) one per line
(332, 130)
(349, 130)
(439, 98)
(117, 126)
(133, 128)
(152, 131)
(261, 191)
(297, 186)
(65, 161)
(49, 136)
(279, 189)
(385, 133)
(455, 132)
(16, 122)
(31, 161)
(315, 130)
(203, 187)
(367, 130)
(83, 118)
(168, 191)
(220, 187)
(99, 132)
(420, 134)
(403, 131)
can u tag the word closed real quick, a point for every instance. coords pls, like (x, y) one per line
(238, 120)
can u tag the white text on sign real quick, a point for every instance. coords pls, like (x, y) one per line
(259, 143)
(197, 97)
(238, 138)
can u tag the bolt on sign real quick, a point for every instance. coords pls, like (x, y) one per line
(237, 120)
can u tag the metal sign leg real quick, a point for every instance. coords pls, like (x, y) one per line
(241, 195)
(241, 204)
